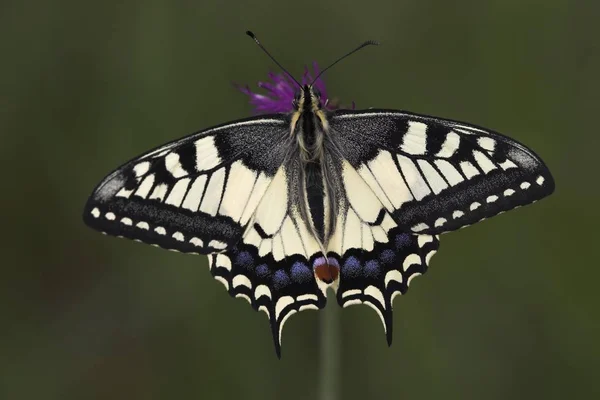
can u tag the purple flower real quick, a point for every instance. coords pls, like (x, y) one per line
(280, 92)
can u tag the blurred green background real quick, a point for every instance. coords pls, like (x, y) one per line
(509, 308)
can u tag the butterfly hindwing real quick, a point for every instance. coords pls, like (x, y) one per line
(195, 194)
(435, 175)
(271, 267)
(377, 258)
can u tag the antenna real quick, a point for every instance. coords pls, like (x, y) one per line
(365, 44)
(249, 33)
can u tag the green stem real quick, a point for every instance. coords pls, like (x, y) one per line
(329, 361)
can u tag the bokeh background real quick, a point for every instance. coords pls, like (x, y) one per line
(509, 308)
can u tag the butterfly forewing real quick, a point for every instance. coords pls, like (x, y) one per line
(435, 175)
(195, 194)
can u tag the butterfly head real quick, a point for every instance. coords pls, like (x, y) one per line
(307, 99)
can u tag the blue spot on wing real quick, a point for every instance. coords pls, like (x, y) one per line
(403, 240)
(280, 279)
(351, 267)
(387, 256)
(245, 260)
(300, 272)
(262, 271)
(372, 269)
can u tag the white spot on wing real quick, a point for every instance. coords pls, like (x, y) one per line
(197, 242)
(266, 247)
(468, 169)
(353, 302)
(376, 294)
(178, 192)
(282, 303)
(308, 307)
(143, 225)
(262, 290)
(207, 155)
(385, 171)
(411, 259)
(110, 216)
(178, 236)
(525, 185)
(509, 192)
(439, 222)
(258, 191)
(145, 186)
(273, 206)
(434, 179)
(414, 140)
(95, 212)
(369, 179)
(507, 164)
(237, 192)
(305, 297)
(486, 143)
(141, 168)
(540, 180)
(413, 177)
(450, 173)
(126, 221)
(223, 261)
(217, 244)
(367, 238)
(457, 214)
(361, 197)
(351, 292)
(419, 227)
(352, 231)
(449, 146)
(422, 240)
(160, 230)
(491, 199)
(393, 275)
(194, 195)
(379, 234)
(283, 320)
(484, 162)
(124, 193)
(173, 165)
(241, 280)
(214, 191)
(291, 240)
(278, 253)
(159, 192)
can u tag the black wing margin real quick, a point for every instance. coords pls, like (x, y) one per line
(435, 175)
(194, 194)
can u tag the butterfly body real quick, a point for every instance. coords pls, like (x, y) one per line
(289, 205)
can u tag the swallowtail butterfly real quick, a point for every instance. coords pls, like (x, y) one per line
(288, 205)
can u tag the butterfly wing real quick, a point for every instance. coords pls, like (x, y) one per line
(271, 267)
(406, 179)
(435, 175)
(195, 194)
(378, 259)
(228, 193)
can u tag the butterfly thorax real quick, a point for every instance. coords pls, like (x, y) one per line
(309, 125)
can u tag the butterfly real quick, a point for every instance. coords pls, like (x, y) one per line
(288, 205)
